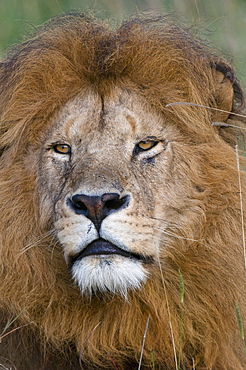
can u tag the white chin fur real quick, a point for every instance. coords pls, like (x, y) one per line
(108, 273)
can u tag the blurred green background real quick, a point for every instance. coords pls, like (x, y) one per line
(222, 22)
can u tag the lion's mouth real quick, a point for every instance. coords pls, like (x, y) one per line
(103, 247)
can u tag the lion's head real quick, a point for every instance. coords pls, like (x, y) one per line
(120, 205)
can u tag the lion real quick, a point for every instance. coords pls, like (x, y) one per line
(122, 233)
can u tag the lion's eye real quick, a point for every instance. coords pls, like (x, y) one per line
(146, 145)
(149, 148)
(62, 148)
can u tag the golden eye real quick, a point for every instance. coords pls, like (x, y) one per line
(146, 144)
(62, 148)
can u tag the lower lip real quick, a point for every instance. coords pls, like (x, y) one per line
(101, 247)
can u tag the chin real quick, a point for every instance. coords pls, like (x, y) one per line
(108, 274)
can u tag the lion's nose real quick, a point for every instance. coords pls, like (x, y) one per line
(96, 208)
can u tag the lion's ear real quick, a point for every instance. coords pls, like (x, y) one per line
(228, 93)
(224, 96)
(230, 102)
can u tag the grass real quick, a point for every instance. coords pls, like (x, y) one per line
(181, 289)
(144, 337)
(240, 325)
(6, 330)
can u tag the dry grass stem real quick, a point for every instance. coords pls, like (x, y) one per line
(205, 106)
(169, 317)
(241, 204)
(144, 337)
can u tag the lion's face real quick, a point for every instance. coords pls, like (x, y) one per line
(103, 163)
(118, 180)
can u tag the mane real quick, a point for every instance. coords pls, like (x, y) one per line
(146, 54)
(164, 64)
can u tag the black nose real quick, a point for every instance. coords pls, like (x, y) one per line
(96, 208)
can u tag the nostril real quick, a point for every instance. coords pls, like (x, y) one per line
(113, 202)
(77, 204)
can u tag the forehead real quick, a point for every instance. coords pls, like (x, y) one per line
(119, 112)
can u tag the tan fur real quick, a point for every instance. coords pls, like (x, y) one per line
(185, 209)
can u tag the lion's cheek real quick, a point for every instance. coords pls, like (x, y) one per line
(137, 235)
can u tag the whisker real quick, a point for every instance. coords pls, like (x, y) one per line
(177, 236)
(36, 242)
(169, 223)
